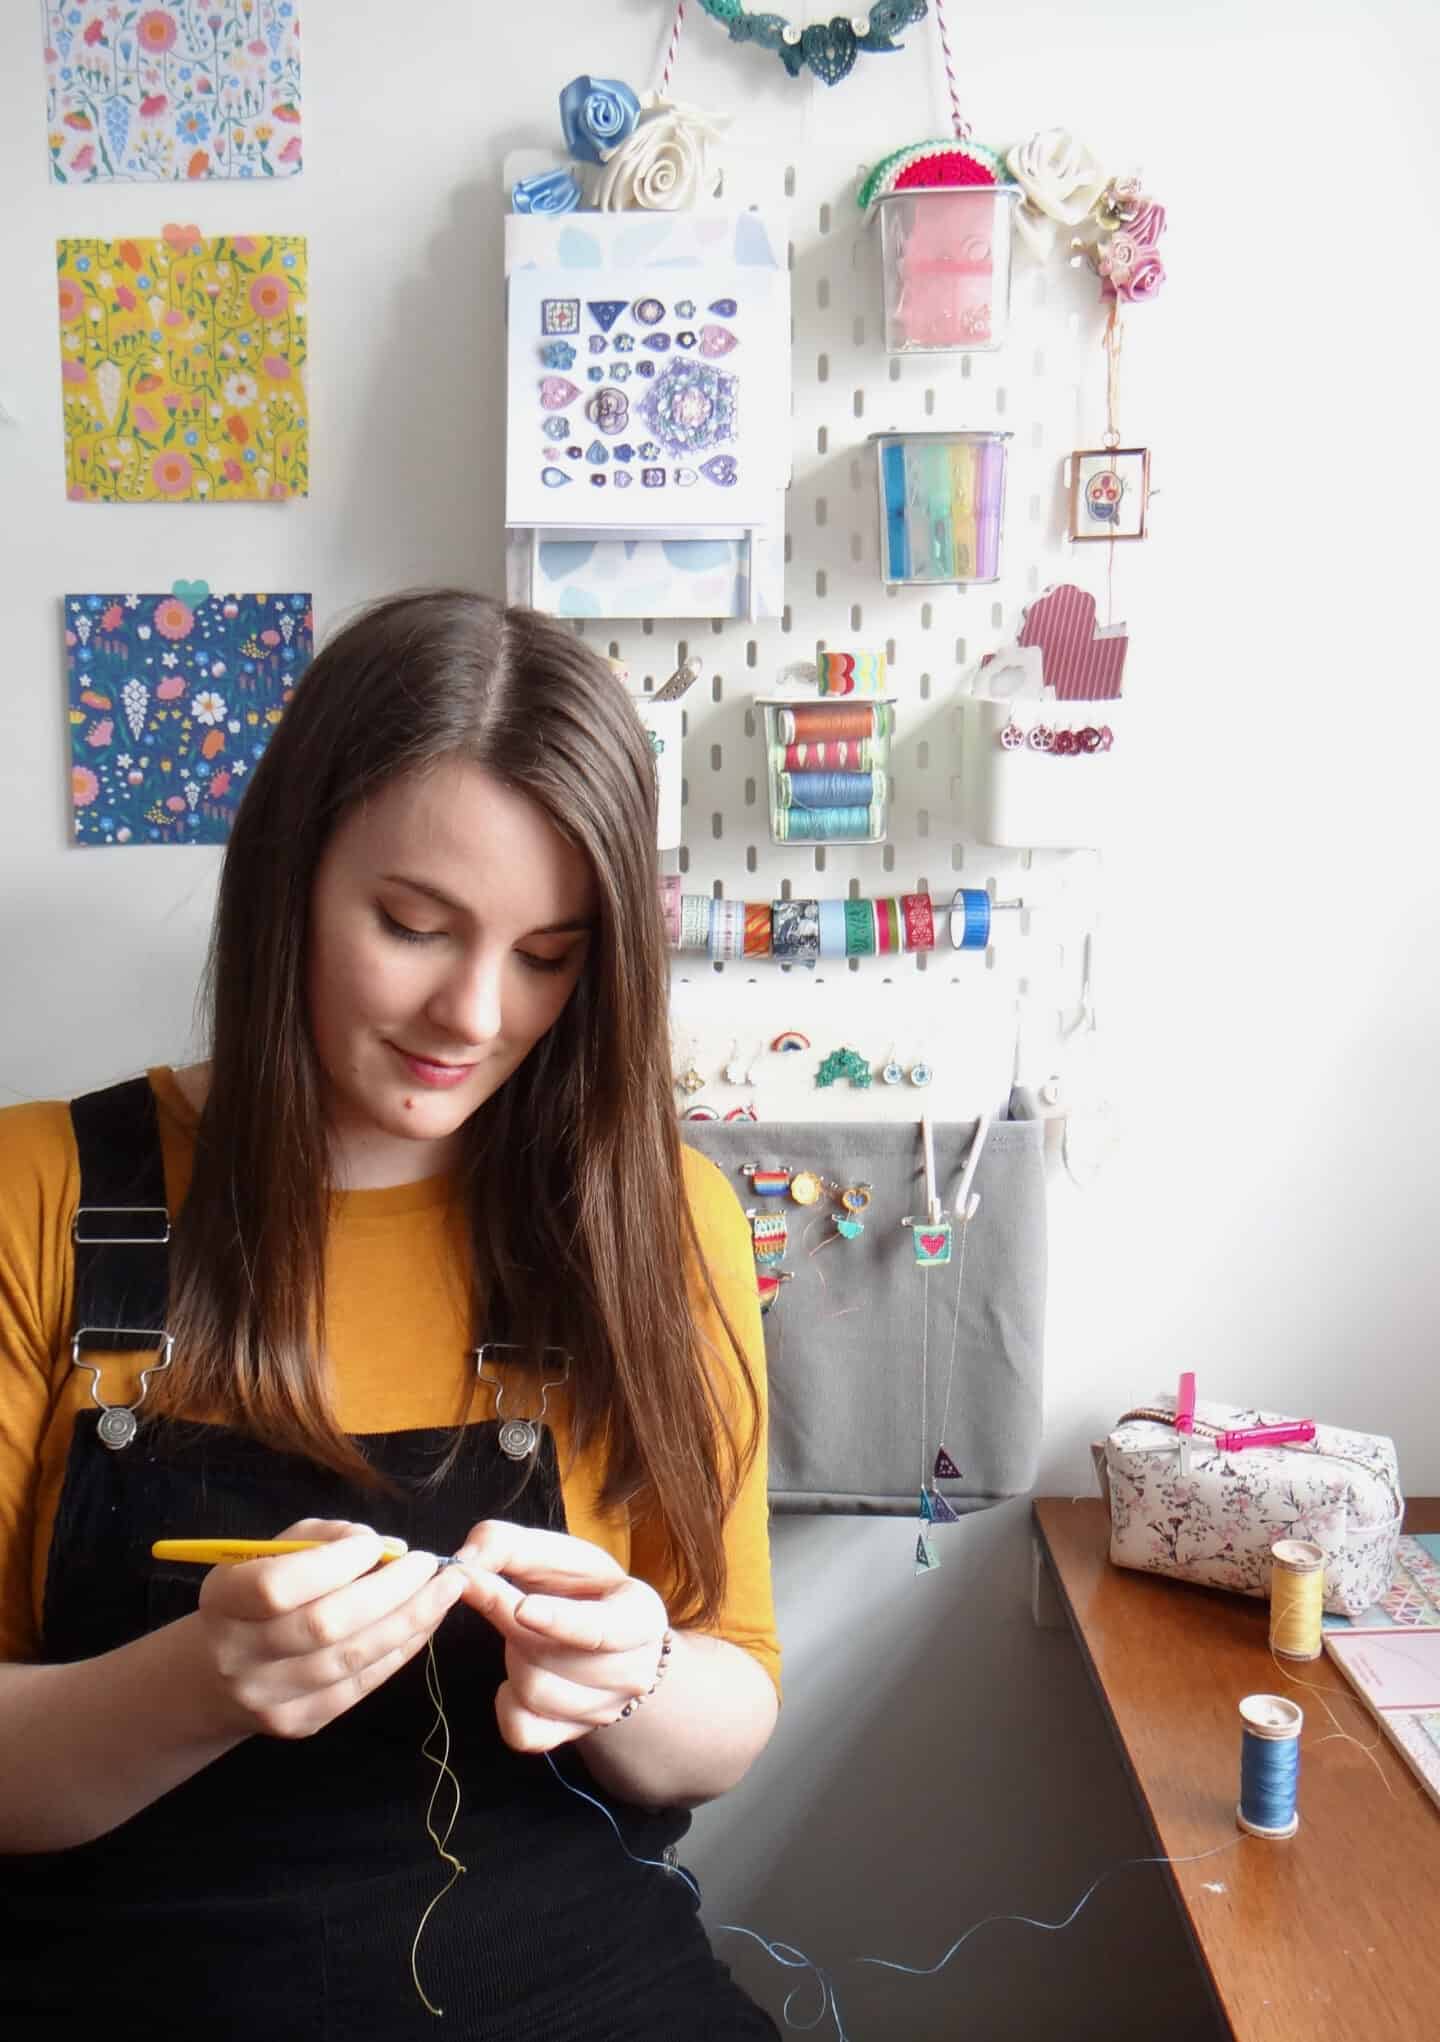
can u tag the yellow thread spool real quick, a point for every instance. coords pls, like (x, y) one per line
(1297, 1588)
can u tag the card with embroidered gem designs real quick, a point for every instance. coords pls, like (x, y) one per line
(182, 365)
(160, 93)
(172, 700)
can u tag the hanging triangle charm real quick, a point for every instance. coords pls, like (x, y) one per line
(926, 1509)
(940, 1510)
(945, 1468)
(926, 1556)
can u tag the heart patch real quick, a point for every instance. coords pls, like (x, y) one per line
(933, 1244)
(829, 49)
(191, 592)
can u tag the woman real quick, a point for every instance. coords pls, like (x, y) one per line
(436, 1264)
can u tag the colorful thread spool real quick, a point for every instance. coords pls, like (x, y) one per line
(828, 825)
(969, 919)
(817, 725)
(834, 755)
(1270, 1727)
(829, 790)
(1297, 1590)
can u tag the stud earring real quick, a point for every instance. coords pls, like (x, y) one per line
(891, 1072)
(921, 1073)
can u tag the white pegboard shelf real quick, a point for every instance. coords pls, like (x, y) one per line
(980, 1020)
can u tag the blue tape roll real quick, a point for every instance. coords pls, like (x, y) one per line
(832, 928)
(969, 919)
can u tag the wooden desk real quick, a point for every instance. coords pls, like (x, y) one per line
(1333, 1936)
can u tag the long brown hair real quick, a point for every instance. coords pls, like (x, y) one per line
(581, 1233)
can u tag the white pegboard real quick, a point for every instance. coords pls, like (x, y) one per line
(979, 1020)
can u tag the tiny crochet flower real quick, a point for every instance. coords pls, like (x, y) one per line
(596, 115)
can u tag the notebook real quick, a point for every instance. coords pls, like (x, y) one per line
(1390, 1654)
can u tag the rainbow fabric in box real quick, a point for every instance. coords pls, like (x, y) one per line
(182, 366)
(152, 93)
(172, 700)
(1215, 1519)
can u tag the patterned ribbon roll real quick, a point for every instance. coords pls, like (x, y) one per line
(727, 929)
(757, 928)
(841, 755)
(828, 825)
(832, 928)
(889, 928)
(859, 928)
(820, 725)
(919, 921)
(969, 919)
(829, 790)
(670, 886)
(695, 921)
(795, 930)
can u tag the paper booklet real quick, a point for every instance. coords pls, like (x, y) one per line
(1390, 1654)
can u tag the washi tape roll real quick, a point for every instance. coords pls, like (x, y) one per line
(757, 928)
(832, 928)
(670, 890)
(851, 673)
(695, 921)
(795, 930)
(859, 928)
(727, 929)
(969, 919)
(919, 915)
(888, 926)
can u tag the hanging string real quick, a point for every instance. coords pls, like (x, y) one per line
(673, 47)
(444, 1774)
(1113, 341)
(954, 1331)
(962, 127)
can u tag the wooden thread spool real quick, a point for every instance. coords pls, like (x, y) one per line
(1270, 1727)
(1297, 1588)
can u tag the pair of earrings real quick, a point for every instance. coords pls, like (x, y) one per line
(894, 1073)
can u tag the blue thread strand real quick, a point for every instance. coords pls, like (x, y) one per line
(1269, 1776)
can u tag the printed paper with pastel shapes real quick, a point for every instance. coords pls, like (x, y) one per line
(173, 698)
(196, 89)
(182, 364)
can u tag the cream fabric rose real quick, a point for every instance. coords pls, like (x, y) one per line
(1061, 180)
(664, 166)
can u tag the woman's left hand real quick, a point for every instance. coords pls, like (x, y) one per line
(582, 1637)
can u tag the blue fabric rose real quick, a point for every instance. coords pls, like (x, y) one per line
(553, 191)
(597, 114)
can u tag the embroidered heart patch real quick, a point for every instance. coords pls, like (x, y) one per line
(934, 1243)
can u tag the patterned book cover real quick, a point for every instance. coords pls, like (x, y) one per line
(1392, 1673)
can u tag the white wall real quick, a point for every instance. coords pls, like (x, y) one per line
(1268, 977)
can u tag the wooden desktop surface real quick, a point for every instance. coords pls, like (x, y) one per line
(1331, 1936)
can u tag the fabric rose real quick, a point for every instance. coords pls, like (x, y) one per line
(1147, 223)
(1142, 282)
(553, 191)
(1118, 204)
(664, 166)
(1061, 180)
(1115, 258)
(596, 115)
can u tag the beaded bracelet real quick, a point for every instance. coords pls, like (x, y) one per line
(637, 1701)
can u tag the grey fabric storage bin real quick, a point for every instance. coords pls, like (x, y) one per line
(845, 1355)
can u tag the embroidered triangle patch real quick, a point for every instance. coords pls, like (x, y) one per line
(945, 1468)
(605, 311)
(926, 1556)
(941, 1512)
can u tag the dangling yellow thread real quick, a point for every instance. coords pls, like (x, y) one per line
(441, 1760)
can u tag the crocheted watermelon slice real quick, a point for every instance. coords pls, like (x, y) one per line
(934, 166)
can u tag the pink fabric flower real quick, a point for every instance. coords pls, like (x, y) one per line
(1147, 225)
(1147, 273)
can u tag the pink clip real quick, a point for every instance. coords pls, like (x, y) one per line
(1185, 1404)
(1301, 1432)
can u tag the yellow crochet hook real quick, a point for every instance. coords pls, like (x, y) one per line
(235, 1552)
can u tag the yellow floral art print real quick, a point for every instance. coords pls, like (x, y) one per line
(182, 364)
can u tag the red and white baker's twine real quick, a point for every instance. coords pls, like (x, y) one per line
(962, 127)
(674, 45)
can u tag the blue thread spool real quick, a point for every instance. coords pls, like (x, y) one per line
(1269, 1765)
(829, 790)
(826, 825)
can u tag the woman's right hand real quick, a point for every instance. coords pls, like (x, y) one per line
(292, 1641)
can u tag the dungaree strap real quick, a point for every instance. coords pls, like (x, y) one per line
(122, 1225)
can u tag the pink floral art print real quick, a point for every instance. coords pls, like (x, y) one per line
(189, 90)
